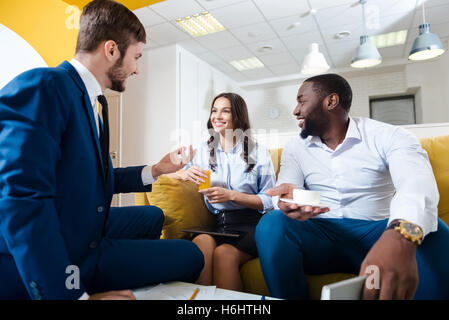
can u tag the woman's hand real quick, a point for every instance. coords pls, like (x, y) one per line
(194, 174)
(218, 195)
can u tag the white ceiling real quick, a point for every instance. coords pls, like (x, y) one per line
(251, 24)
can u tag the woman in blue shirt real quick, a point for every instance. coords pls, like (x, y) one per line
(241, 171)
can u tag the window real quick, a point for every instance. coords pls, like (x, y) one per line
(394, 110)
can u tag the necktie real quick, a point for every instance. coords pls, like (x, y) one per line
(104, 136)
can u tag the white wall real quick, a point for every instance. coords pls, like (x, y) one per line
(168, 103)
(199, 84)
(429, 81)
(149, 105)
(16, 55)
(433, 79)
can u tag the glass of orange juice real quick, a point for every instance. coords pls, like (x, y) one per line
(206, 183)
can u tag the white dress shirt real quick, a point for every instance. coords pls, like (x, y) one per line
(379, 171)
(94, 90)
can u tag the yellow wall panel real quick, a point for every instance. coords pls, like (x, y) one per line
(44, 24)
(130, 4)
(50, 26)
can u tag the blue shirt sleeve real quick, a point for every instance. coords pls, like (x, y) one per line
(266, 179)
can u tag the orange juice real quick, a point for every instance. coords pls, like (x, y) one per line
(206, 183)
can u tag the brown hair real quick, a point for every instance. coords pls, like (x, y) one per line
(103, 20)
(240, 120)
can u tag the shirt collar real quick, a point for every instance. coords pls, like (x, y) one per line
(351, 133)
(234, 149)
(89, 80)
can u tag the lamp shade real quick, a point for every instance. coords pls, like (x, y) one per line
(314, 62)
(366, 55)
(427, 45)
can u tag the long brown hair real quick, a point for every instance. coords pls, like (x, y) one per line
(240, 120)
(103, 20)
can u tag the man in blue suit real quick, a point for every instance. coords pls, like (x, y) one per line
(57, 181)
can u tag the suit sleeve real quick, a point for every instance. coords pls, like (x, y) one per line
(129, 180)
(32, 123)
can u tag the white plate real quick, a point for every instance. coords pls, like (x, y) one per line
(321, 205)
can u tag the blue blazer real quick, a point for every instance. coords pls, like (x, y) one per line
(53, 198)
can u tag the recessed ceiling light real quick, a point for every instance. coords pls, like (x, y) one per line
(200, 24)
(389, 39)
(247, 64)
(265, 48)
(342, 34)
(311, 11)
(294, 25)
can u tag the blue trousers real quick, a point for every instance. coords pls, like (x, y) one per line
(130, 256)
(289, 249)
(133, 256)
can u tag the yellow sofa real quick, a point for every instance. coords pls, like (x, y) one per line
(183, 207)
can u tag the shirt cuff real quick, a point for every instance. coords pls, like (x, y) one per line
(147, 176)
(414, 208)
(275, 201)
(267, 203)
(85, 296)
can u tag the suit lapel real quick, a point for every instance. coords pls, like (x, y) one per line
(87, 108)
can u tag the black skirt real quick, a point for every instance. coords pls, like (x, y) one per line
(244, 221)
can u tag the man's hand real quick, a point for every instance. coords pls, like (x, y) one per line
(194, 174)
(114, 295)
(218, 195)
(292, 210)
(173, 161)
(395, 257)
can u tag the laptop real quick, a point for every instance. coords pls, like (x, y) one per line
(350, 289)
(215, 232)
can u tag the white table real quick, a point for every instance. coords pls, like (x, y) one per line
(183, 291)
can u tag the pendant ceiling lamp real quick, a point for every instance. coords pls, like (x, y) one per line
(427, 45)
(314, 62)
(367, 54)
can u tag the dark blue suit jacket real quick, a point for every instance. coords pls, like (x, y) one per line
(53, 198)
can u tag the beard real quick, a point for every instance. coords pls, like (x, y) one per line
(117, 76)
(315, 123)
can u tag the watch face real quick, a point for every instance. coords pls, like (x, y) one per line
(412, 229)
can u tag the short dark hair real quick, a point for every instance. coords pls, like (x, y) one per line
(325, 84)
(103, 20)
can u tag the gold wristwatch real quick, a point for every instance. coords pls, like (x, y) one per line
(408, 230)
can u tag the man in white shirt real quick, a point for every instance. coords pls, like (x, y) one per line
(59, 237)
(381, 198)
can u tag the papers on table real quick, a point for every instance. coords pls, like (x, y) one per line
(175, 291)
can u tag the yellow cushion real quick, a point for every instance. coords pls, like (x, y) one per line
(253, 280)
(140, 199)
(438, 150)
(182, 204)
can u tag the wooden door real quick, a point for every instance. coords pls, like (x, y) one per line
(114, 104)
